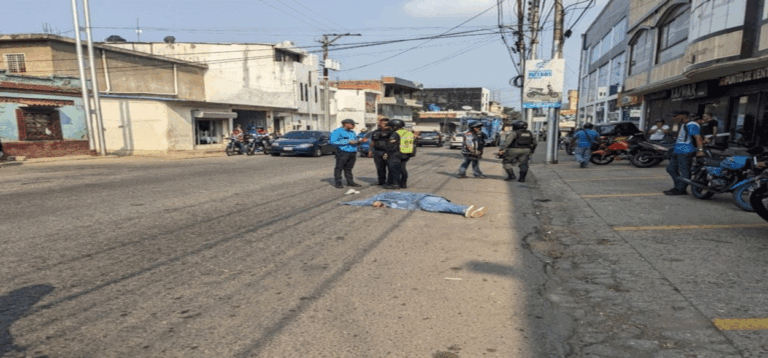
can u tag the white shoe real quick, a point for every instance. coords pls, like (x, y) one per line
(468, 213)
(478, 213)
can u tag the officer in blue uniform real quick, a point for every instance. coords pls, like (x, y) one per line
(345, 140)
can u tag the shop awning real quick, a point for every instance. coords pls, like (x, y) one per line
(214, 115)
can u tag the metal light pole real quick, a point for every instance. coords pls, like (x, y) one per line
(83, 83)
(534, 24)
(554, 113)
(326, 43)
(94, 80)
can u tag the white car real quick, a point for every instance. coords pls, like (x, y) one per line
(457, 140)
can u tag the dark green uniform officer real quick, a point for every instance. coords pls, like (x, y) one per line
(517, 148)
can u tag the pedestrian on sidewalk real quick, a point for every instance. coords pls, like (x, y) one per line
(400, 149)
(472, 149)
(517, 148)
(345, 140)
(378, 149)
(583, 140)
(419, 201)
(689, 144)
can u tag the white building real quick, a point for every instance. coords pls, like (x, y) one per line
(360, 105)
(271, 85)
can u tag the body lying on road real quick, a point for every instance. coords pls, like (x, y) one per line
(418, 201)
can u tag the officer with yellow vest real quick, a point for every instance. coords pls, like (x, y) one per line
(400, 149)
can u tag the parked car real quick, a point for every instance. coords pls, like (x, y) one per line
(314, 143)
(457, 140)
(430, 138)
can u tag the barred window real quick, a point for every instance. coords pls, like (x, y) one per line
(39, 124)
(16, 63)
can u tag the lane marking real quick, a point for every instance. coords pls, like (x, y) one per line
(628, 195)
(600, 170)
(616, 178)
(689, 227)
(741, 324)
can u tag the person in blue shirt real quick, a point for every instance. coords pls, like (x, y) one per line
(404, 200)
(689, 144)
(345, 140)
(582, 143)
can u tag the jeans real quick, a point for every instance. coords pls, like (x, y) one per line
(680, 167)
(475, 166)
(440, 205)
(582, 154)
(345, 161)
(381, 167)
(398, 173)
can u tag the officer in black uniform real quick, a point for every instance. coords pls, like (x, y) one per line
(517, 148)
(396, 161)
(378, 148)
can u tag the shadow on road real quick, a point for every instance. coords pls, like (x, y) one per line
(13, 306)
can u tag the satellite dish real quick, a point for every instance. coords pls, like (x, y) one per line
(467, 108)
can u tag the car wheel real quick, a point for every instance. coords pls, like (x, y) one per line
(317, 153)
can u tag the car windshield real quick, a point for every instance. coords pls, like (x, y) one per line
(458, 135)
(302, 135)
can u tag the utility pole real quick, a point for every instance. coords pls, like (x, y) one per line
(534, 27)
(554, 113)
(138, 31)
(83, 83)
(521, 51)
(326, 42)
(94, 80)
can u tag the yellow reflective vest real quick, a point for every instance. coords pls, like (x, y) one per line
(406, 141)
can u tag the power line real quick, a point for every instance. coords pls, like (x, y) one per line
(333, 22)
(289, 14)
(302, 14)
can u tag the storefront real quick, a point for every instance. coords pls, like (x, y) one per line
(211, 128)
(747, 116)
(630, 108)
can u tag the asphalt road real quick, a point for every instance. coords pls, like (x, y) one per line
(245, 257)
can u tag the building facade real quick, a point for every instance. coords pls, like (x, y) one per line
(359, 105)
(42, 116)
(455, 99)
(702, 56)
(603, 65)
(398, 97)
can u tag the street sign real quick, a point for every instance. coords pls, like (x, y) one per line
(544, 83)
(333, 65)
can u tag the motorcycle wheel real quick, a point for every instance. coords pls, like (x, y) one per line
(700, 176)
(742, 194)
(644, 160)
(759, 202)
(267, 150)
(251, 151)
(230, 150)
(598, 160)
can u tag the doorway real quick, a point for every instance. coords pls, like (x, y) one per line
(743, 121)
(209, 132)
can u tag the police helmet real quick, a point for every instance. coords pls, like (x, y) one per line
(475, 124)
(518, 125)
(396, 123)
(588, 126)
(350, 121)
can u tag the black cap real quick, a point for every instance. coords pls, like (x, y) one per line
(350, 121)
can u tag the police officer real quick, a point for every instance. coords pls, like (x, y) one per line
(517, 148)
(400, 149)
(472, 150)
(378, 148)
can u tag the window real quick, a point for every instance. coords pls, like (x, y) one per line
(315, 94)
(301, 91)
(285, 56)
(619, 32)
(584, 90)
(306, 93)
(602, 81)
(16, 63)
(617, 71)
(592, 87)
(607, 44)
(640, 56)
(595, 55)
(673, 35)
(38, 124)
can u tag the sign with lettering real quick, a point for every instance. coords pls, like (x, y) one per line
(689, 91)
(758, 74)
(543, 85)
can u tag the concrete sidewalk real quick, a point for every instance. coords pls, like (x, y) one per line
(647, 275)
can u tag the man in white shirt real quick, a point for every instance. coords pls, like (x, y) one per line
(659, 131)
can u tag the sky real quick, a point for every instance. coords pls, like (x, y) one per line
(480, 60)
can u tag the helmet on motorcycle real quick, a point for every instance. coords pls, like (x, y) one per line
(588, 126)
(396, 123)
(475, 124)
(518, 125)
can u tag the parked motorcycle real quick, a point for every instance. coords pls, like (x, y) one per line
(646, 154)
(612, 149)
(262, 143)
(232, 149)
(759, 197)
(732, 174)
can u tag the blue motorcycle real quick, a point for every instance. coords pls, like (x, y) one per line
(734, 174)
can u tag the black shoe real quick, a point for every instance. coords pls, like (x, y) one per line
(377, 184)
(338, 185)
(481, 176)
(522, 177)
(583, 165)
(675, 192)
(403, 186)
(510, 176)
(390, 187)
(461, 176)
(355, 185)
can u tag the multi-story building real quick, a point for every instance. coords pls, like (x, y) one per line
(271, 85)
(360, 105)
(702, 56)
(603, 63)
(397, 99)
